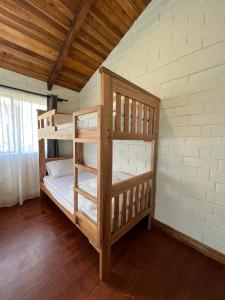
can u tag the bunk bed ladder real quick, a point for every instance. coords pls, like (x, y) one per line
(81, 137)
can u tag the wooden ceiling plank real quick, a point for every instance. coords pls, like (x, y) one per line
(64, 8)
(95, 43)
(33, 10)
(106, 10)
(117, 9)
(24, 52)
(29, 32)
(51, 12)
(80, 46)
(71, 5)
(32, 32)
(72, 75)
(31, 20)
(12, 63)
(83, 58)
(138, 5)
(93, 49)
(76, 64)
(19, 23)
(104, 21)
(101, 28)
(22, 71)
(73, 32)
(95, 33)
(69, 85)
(26, 42)
(129, 9)
(30, 65)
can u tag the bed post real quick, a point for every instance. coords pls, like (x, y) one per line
(41, 152)
(105, 161)
(154, 156)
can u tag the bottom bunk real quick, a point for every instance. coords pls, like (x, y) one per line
(130, 199)
(62, 190)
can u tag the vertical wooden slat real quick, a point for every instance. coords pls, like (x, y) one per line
(124, 206)
(139, 127)
(150, 127)
(148, 118)
(126, 114)
(42, 166)
(80, 153)
(133, 121)
(147, 195)
(142, 196)
(118, 113)
(99, 216)
(116, 214)
(75, 161)
(105, 173)
(130, 209)
(145, 120)
(136, 199)
(41, 152)
(52, 121)
(154, 155)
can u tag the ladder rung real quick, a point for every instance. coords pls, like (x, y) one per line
(86, 169)
(88, 141)
(87, 133)
(86, 195)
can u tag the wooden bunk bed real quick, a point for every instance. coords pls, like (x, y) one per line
(136, 116)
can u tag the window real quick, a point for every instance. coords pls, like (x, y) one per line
(18, 121)
(19, 174)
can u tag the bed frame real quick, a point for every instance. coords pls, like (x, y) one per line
(141, 111)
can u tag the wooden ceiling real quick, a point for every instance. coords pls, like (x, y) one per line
(62, 42)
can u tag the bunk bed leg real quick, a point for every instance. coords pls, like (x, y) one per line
(149, 221)
(105, 263)
(42, 195)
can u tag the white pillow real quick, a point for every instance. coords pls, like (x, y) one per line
(59, 168)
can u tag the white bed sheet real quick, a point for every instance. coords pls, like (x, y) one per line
(62, 190)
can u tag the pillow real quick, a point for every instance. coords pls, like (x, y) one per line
(59, 168)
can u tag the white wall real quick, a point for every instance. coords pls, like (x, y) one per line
(176, 49)
(16, 80)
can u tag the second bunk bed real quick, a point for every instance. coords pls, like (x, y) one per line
(102, 203)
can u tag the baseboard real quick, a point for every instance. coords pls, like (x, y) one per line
(205, 250)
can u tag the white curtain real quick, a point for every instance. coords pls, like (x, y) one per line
(19, 170)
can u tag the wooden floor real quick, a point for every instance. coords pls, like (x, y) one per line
(43, 256)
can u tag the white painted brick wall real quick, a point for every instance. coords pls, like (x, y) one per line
(176, 49)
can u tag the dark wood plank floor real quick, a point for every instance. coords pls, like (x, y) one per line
(43, 256)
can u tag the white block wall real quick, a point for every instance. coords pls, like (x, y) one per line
(176, 49)
(26, 83)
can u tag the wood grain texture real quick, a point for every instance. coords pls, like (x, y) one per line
(72, 33)
(110, 197)
(44, 255)
(62, 42)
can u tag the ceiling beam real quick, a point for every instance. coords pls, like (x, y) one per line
(72, 33)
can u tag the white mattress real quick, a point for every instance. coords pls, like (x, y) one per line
(62, 190)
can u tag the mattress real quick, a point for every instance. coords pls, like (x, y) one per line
(62, 190)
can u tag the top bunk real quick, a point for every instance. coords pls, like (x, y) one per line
(132, 111)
